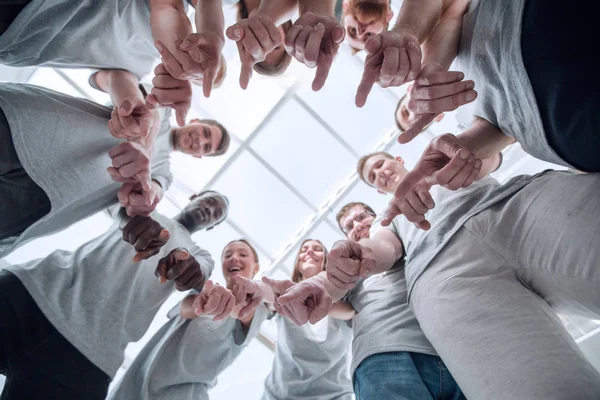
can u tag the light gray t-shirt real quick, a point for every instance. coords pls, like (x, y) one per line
(452, 210)
(311, 361)
(490, 54)
(98, 298)
(384, 321)
(184, 358)
(101, 34)
(63, 143)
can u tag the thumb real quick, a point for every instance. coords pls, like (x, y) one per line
(448, 144)
(373, 45)
(181, 111)
(235, 32)
(126, 108)
(278, 287)
(337, 34)
(183, 254)
(340, 249)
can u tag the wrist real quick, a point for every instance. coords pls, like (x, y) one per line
(322, 8)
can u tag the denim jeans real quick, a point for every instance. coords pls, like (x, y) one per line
(39, 363)
(404, 376)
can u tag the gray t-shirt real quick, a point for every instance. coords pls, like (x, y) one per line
(384, 321)
(184, 358)
(63, 143)
(101, 34)
(490, 54)
(98, 298)
(452, 210)
(311, 361)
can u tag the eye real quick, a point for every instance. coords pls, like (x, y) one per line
(352, 31)
(206, 132)
(369, 35)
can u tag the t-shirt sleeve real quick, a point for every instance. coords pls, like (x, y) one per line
(376, 226)
(205, 260)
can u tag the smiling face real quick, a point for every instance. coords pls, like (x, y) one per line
(204, 211)
(310, 260)
(198, 139)
(238, 259)
(356, 223)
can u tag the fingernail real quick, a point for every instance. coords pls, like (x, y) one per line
(237, 32)
(320, 26)
(461, 76)
(464, 155)
(471, 96)
(477, 163)
(185, 44)
(470, 85)
(471, 159)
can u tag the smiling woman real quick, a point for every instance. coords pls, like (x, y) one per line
(201, 137)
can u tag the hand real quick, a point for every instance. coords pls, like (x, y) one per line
(146, 235)
(248, 294)
(444, 162)
(347, 262)
(130, 119)
(435, 91)
(307, 301)
(256, 37)
(170, 92)
(131, 163)
(180, 266)
(314, 40)
(393, 59)
(214, 300)
(138, 201)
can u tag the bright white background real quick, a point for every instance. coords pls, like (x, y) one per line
(290, 168)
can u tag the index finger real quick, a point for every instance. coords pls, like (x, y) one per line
(415, 128)
(369, 78)
(246, 72)
(410, 180)
(207, 82)
(145, 124)
(414, 58)
(169, 61)
(323, 67)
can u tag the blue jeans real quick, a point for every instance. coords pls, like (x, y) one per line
(404, 376)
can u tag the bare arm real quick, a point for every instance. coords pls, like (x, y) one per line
(441, 47)
(342, 310)
(279, 11)
(119, 84)
(187, 307)
(419, 17)
(484, 139)
(387, 249)
(168, 21)
(209, 17)
(320, 7)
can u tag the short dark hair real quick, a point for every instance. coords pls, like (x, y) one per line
(347, 208)
(222, 196)
(363, 160)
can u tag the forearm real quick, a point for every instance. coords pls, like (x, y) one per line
(209, 17)
(119, 84)
(342, 310)
(268, 294)
(169, 21)
(386, 254)
(419, 18)
(279, 11)
(484, 139)
(335, 293)
(187, 307)
(441, 47)
(320, 7)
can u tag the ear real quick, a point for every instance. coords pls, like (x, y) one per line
(256, 269)
(439, 117)
(400, 160)
(345, 5)
(390, 15)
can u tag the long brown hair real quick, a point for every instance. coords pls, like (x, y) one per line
(297, 275)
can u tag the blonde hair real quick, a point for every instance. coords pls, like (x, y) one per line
(297, 275)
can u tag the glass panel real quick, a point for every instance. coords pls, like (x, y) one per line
(304, 153)
(195, 173)
(260, 204)
(363, 127)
